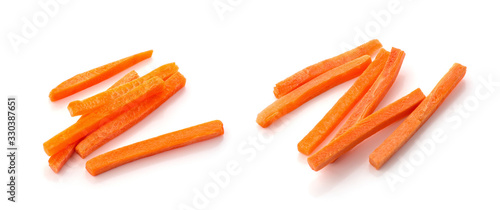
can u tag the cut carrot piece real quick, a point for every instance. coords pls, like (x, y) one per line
(309, 73)
(377, 92)
(104, 114)
(57, 161)
(87, 79)
(146, 148)
(128, 119)
(92, 103)
(127, 78)
(311, 89)
(365, 128)
(324, 127)
(418, 117)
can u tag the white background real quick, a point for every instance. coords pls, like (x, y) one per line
(231, 66)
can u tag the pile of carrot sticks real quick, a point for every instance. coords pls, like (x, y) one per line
(375, 78)
(108, 114)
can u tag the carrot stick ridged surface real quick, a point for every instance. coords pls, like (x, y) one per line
(146, 148)
(89, 78)
(365, 128)
(418, 117)
(126, 78)
(311, 89)
(128, 119)
(296, 80)
(324, 127)
(104, 114)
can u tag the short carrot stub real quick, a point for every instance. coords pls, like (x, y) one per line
(311, 89)
(120, 124)
(324, 127)
(296, 80)
(104, 114)
(94, 102)
(146, 148)
(57, 161)
(87, 79)
(418, 117)
(365, 128)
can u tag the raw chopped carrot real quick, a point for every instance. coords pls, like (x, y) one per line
(309, 73)
(418, 117)
(311, 89)
(92, 103)
(57, 161)
(324, 127)
(127, 78)
(146, 148)
(102, 115)
(128, 119)
(87, 79)
(365, 128)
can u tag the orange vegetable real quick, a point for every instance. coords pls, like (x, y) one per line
(309, 73)
(146, 148)
(92, 103)
(311, 89)
(418, 117)
(365, 128)
(57, 161)
(128, 119)
(87, 79)
(324, 127)
(377, 92)
(104, 114)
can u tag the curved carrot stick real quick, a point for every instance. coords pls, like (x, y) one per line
(365, 128)
(57, 161)
(324, 127)
(311, 89)
(146, 148)
(309, 73)
(418, 117)
(87, 79)
(104, 114)
(128, 119)
(92, 103)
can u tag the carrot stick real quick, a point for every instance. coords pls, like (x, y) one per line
(309, 73)
(376, 92)
(418, 117)
(104, 114)
(57, 161)
(324, 127)
(89, 78)
(311, 89)
(92, 103)
(146, 148)
(365, 128)
(132, 75)
(128, 119)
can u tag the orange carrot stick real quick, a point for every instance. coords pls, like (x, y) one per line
(57, 161)
(128, 119)
(418, 117)
(311, 89)
(377, 92)
(324, 127)
(365, 128)
(104, 114)
(309, 73)
(146, 148)
(92, 103)
(87, 79)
